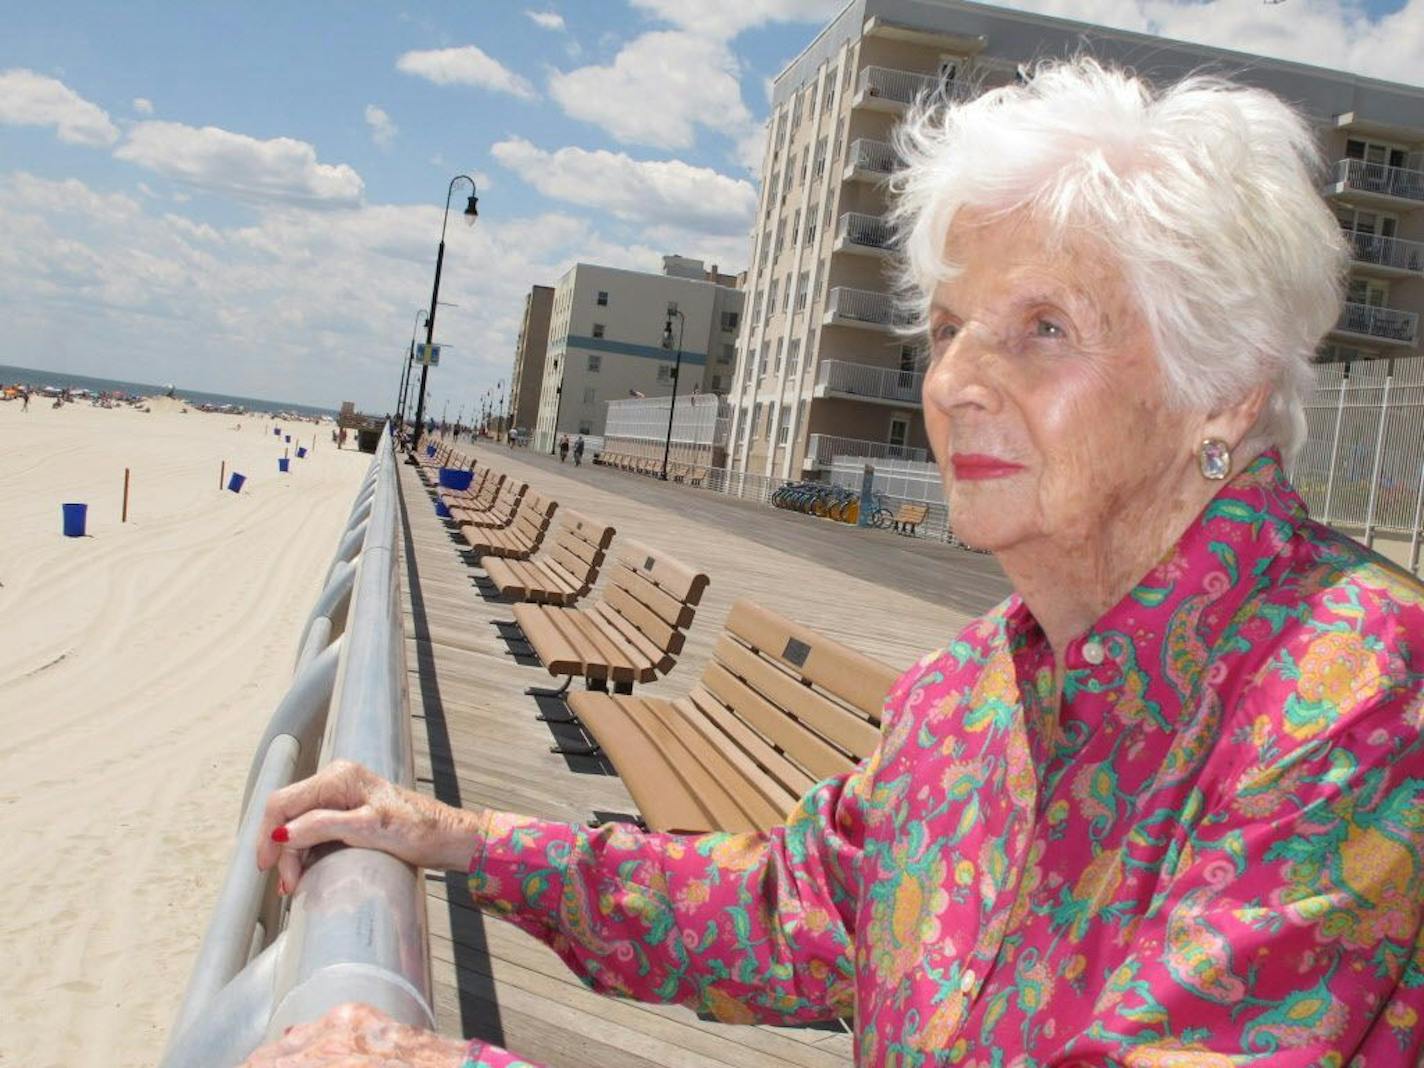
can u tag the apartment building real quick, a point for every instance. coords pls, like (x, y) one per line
(526, 381)
(823, 370)
(606, 340)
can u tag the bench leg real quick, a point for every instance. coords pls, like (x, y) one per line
(544, 717)
(576, 750)
(545, 691)
(623, 687)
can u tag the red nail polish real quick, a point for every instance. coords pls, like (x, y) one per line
(279, 834)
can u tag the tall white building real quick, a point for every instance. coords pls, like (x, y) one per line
(822, 371)
(606, 340)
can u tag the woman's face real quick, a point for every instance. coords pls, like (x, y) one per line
(1044, 402)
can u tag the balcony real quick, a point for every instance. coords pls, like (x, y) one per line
(864, 308)
(1386, 255)
(865, 382)
(884, 89)
(1374, 183)
(1389, 325)
(868, 235)
(868, 161)
(820, 448)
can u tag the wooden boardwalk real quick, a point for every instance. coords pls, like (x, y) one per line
(478, 744)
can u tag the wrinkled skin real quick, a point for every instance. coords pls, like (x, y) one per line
(345, 802)
(1041, 356)
(358, 1036)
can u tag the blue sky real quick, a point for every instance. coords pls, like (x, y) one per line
(246, 198)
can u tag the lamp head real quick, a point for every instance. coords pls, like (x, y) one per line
(667, 333)
(472, 210)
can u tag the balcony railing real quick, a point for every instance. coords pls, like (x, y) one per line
(1387, 251)
(866, 231)
(1358, 174)
(1388, 323)
(820, 448)
(843, 378)
(900, 86)
(864, 306)
(868, 155)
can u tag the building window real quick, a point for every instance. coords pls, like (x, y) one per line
(776, 367)
(756, 419)
(730, 321)
(597, 329)
(765, 352)
(595, 363)
(771, 296)
(786, 293)
(664, 372)
(812, 214)
(820, 167)
(801, 289)
(795, 226)
(828, 90)
(589, 394)
(603, 298)
(899, 432)
(782, 431)
(793, 359)
(729, 352)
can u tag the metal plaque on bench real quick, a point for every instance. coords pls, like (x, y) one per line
(648, 564)
(796, 652)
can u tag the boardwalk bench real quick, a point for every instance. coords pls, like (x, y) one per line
(908, 517)
(458, 498)
(633, 633)
(499, 513)
(778, 708)
(521, 538)
(563, 573)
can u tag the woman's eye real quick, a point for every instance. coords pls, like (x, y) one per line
(944, 333)
(1048, 328)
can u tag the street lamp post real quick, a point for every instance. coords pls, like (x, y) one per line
(558, 408)
(676, 372)
(471, 213)
(405, 373)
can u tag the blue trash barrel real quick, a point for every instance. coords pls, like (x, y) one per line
(301, 453)
(430, 450)
(455, 479)
(235, 482)
(442, 511)
(276, 431)
(287, 438)
(74, 518)
(282, 463)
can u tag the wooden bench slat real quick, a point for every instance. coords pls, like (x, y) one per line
(674, 578)
(777, 779)
(819, 758)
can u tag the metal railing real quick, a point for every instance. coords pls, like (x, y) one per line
(868, 155)
(868, 231)
(1386, 251)
(863, 306)
(1368, 177)
(822, 448)
(1374, 321)
(864, 380)
(355, 929)
(901, 86)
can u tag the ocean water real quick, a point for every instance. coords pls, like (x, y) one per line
(32, 376)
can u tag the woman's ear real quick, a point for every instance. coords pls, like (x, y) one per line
(1233, 423)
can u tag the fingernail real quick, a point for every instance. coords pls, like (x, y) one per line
(279, 834)
(282, 887)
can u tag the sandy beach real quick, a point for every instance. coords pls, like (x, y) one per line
(138, 666)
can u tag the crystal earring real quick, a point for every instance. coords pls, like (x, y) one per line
(1214, 459)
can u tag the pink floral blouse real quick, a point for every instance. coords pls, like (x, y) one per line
(1213, 855)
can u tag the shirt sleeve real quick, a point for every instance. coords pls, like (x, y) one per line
(1286, 929)
(482, 1055)
(743, 927)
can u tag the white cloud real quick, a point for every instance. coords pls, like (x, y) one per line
(666, 192)
(725, 19)
(657, 90)
(465, 66)
(30, 99)
(143, 105)
(550, 20)
(1330, 33)
(383, 130)
(280, 169)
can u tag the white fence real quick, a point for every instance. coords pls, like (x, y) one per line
(701, 424)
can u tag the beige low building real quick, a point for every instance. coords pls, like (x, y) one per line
(821, 370)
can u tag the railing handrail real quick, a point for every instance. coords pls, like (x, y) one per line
(1391, 251)
(355, 928)
(888, 383)
(818, 445)
(873, 155)
(1401, 181)
(1388, 320)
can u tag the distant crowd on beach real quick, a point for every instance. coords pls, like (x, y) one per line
(60, 396)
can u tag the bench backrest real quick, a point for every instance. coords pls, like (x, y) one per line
(653, 595)
(798, 704)
(533, 518)
(506, 502)
(912, 513)
(489, 490)
(579, 549)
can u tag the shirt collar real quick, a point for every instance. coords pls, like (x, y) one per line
(1189, 597)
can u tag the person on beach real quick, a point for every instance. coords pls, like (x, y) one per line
(563, 448)
(1164, 806)
(24, 400)
(578, 451)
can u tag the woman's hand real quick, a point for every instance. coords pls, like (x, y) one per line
(345, 802)
(358, 1036)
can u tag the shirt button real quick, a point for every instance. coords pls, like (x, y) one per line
(966, 981)
(1093, 651)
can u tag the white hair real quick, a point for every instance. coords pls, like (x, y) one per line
(1206, 192)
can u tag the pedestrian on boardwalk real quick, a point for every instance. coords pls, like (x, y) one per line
(24, 400)
(563, 448)
(1162, 805)
(578, 451)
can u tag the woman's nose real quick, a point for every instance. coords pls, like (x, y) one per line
(962, 375)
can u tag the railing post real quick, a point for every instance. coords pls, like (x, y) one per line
(1334, 451)
(1375, 474)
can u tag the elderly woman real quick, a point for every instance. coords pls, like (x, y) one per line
(1165, 805)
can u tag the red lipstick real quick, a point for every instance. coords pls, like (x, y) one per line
(976, 467)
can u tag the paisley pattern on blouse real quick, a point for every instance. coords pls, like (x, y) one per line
(1212, 854)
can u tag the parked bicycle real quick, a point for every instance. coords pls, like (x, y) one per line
(831, 502)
